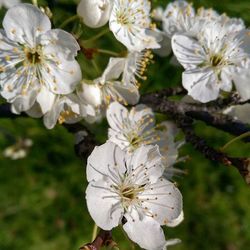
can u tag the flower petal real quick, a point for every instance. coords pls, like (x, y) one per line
(105, 160)
(60, 43)
(201, 84)
(104, 208)
(61, 77)
(114, 69)
(23, 23)
(163, 201)
(146, 163)
(147, 233)
(117, 116)
(188, 51)
(45, 99)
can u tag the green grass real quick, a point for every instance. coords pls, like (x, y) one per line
(42, 205)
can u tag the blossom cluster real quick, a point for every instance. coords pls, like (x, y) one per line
(130, 176)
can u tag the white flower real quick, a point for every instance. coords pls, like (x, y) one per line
(130, 22)
(211, 61)
(91, 93)
(36, 63)
(8, 3)
(19, 150)
(129, 189)
(66, 109)
(109, 87)
(157, 13)
(135, 65)
(131, 130)
(95, 13)
(178, 17)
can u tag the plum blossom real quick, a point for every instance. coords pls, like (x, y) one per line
(95, 13)
(36, 62)
(130, 190)
(68, 109)
(19, 150)
(130, 22)
(8, 3)
(211, 61)
(178, 17)
(131, 130)
(109, 87)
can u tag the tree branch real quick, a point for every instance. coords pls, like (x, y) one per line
(159, 103)
(242, 164)
(104, 238)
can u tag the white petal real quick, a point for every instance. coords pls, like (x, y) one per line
(90, 94)
(242, 83)
(147, 233)
(35, 111)
(141, 114)
(61, 78)
(117, 116)
(24, 102)
(114, 69)
(24, 22)
(50, 118)
(146, 163)
(9, 3)
(171, 242)
(127, 94)
(60, 43)
(163, 201)
(45, 99)
(188, 51)
(201, 84)
(105, 210)
(103, 159)
(176, 221)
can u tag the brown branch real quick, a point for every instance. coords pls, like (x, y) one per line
(85, 140)
(180, 113)
(104, 238)
(242, 164)
(205, 113)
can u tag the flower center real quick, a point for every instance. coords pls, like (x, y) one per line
(33, 56)
(122, 18)
(216, 60)
(128, 193)
(66, 115)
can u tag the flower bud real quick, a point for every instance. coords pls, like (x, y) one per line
(90, 93)
(95, 13)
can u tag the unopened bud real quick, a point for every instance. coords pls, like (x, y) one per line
(95, 13)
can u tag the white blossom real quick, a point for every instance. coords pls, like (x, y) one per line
(8, 3)
(110, 87)
(135, 66)
(36, 63)
(95, 13)
(130, 22)
(67, 109)
(131, 130)
(130, 190)
(211, 61)
(19, 150)
(178, 17)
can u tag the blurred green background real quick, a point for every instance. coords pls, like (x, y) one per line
(42, 205)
